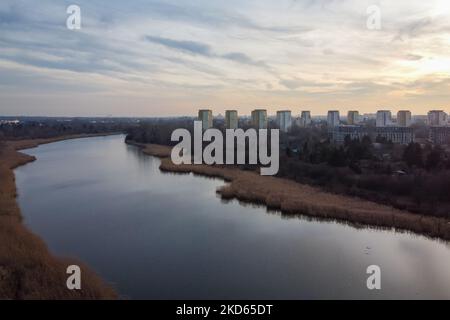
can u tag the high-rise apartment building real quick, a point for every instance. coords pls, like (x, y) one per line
(284, 120)
(205, 116)
(437, 118)
(333, 119)
(384, 118)
(259, 118)
(231, 119)
(305, 119)
(352, 117)
(404, 118)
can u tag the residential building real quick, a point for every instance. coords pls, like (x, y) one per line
(284, 120)
(354, 132)
(353, 117)
(398, 135)
(440, 135)
(305, 119)
(384, 118)
(231, 119)
(333, 119)
(404, 118)
(437, 118)
(259, 118)
(205, 116)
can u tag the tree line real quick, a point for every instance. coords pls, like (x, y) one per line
(48, 128)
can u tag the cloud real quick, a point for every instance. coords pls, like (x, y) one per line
(202, 49)
(290, 84)
(414, 29)
(252, 52)
(413, 57)
(294, 84)
(192, 47)
(243, 58)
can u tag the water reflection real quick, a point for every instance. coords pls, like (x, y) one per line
(164, 236)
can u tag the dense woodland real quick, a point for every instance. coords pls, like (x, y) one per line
(409, 177)
(414, 177)
(158, 131)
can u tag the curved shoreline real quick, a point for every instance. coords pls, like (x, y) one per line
(293, 198)
(27, 269)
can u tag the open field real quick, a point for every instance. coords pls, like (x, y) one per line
(27, 269)
(294, 198)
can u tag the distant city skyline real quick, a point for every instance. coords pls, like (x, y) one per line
(171, 58)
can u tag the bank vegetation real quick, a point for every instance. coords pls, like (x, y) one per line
(27, 269)
(293, 198)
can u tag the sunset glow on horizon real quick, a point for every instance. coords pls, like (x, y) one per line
(169, 58)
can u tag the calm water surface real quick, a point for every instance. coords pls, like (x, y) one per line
(165, 236)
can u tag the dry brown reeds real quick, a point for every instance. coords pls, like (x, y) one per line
(293, 198)
(27, 269)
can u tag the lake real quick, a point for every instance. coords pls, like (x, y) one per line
(157, 235)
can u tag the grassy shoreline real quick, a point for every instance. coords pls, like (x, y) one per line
(293, 198)
(27, 269)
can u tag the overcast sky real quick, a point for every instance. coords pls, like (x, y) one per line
(157, 58)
